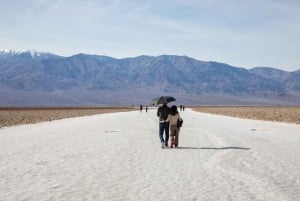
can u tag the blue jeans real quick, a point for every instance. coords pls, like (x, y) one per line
(164, 127)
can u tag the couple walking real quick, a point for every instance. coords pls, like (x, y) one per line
(168, 121)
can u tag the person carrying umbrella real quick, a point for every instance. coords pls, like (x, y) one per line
(163, 113)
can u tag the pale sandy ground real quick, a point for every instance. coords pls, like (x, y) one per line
(117, 157)
(15, 116)
(269, 113)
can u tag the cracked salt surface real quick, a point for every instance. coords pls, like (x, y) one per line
(118, 157)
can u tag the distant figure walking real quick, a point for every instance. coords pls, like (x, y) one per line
(141, 108)
(163, 112)
(174, 119)
(147, 108)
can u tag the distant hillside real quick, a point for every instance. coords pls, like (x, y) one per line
(34, 78)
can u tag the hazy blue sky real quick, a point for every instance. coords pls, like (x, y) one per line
(245, 33)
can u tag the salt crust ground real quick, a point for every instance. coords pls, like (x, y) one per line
(118, 157)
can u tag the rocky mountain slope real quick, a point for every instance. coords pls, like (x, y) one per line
(35, 78)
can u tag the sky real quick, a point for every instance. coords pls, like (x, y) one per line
(237, 32)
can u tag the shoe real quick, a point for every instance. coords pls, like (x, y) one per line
(166, 145)
(162, 145)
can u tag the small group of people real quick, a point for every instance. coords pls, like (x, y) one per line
(168, 121)
(181, 107)
(141, 108)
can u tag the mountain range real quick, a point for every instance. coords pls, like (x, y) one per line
(32, 78)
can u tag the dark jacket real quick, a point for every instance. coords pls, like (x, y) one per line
(163, 112)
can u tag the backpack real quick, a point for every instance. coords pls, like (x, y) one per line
(179, 123)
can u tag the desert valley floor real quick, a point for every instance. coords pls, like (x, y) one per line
(117, 156)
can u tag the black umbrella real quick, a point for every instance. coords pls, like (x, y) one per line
(162, 100)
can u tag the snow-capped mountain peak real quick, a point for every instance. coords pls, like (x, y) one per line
(31, 53)
(7, 51)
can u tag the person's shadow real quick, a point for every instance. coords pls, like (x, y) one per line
(215, 148)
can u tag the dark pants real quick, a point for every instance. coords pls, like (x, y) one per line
(164, 127)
